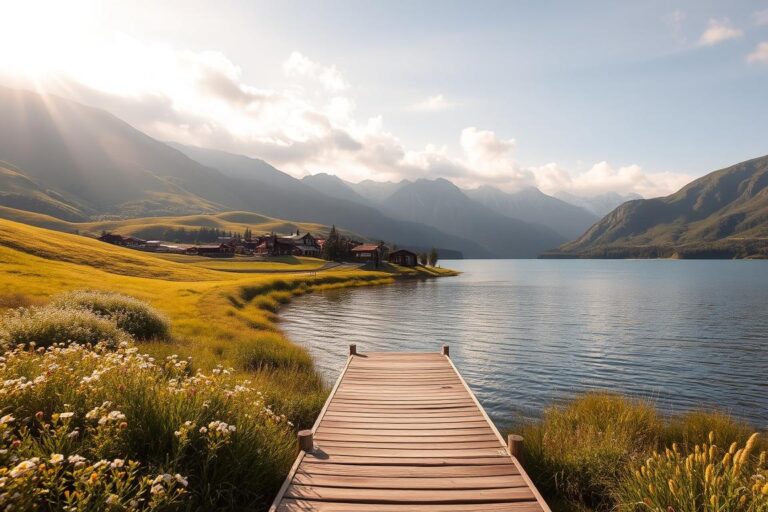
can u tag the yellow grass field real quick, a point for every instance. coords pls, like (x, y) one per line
(218, 317)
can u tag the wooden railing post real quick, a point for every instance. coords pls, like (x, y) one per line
(446, 351)
(352, 349)
(306, 441)
(515, 446)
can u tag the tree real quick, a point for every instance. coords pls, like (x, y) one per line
(423, 258)
(432, 257)
(332, 247)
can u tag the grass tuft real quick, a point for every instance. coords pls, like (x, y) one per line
(47, 326)
(132, 315)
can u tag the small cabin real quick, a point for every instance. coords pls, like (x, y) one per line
(367, 253)
(211, 250)
(404, 257)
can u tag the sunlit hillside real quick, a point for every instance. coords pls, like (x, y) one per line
(154, 227)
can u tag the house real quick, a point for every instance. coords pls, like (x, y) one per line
(404, 257)
(275, 246)
(211, 250)
(305, 245)
(368, 253)
(112, 238)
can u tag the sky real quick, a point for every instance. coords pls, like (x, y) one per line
(576, 98)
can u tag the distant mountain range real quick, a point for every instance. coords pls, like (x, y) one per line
(723, 214)
(79, 163)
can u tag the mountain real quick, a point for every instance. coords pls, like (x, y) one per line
(376, 191)
(333, 186)
(291, 198)
(19, 191)
(532, 205)
(723, 214)
(600, 204)
(93, 162)
(442, 204)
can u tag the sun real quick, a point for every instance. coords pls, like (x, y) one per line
(40, 36)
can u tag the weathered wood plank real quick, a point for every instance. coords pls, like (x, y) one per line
(402, 432)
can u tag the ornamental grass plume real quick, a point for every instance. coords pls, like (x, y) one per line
(707, 478)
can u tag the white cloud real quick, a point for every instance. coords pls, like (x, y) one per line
(306, 125)
(761, 17)
(760, 53)
(435, 103)
(603, 177)
(719, 31)
(330, 77)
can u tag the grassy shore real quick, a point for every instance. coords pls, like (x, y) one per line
(223, 361)
(604, 452)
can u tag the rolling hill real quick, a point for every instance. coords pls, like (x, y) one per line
(722, 214)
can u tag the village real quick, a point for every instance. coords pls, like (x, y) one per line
(334, 247)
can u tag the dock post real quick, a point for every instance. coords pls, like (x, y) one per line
(446, 351)
(352, 349)
(306, 441)
(515, 446)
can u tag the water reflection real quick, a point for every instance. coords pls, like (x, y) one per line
(526, 332)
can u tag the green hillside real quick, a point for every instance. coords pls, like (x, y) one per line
(721, 215)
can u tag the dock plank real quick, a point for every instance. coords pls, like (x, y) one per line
(403, 432)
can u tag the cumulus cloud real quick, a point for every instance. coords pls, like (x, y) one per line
(329, 77)
(435, 103)
(602, 178)
(760, 54)
(308, 124)
(719, 31)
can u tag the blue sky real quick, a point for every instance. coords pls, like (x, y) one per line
(579, 97)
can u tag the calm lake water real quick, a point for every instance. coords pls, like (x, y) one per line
(525, 333)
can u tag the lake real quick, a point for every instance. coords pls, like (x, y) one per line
(527, 333)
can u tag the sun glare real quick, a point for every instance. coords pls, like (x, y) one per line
(39, 37)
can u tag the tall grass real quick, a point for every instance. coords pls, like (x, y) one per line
(585, 454)
(700, 477)
(72, 407)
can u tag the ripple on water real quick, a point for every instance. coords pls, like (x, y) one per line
(525, 333)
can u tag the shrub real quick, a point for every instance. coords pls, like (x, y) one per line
(691, 427)
(269, 350)
(47, 326)
(132, 315)
(706, 478)
(144, 428)
(577, 451)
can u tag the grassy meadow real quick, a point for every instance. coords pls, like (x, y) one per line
(204, 420)
(606, 452)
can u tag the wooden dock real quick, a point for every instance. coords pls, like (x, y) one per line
(403, 431)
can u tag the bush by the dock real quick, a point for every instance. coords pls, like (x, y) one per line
(585, 455)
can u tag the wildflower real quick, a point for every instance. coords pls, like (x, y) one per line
(180, 479)
(6, 419)
(112, 499)
(77, 460)
(117, 463)
(66, 415)
(24, 466)
(56, 458)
